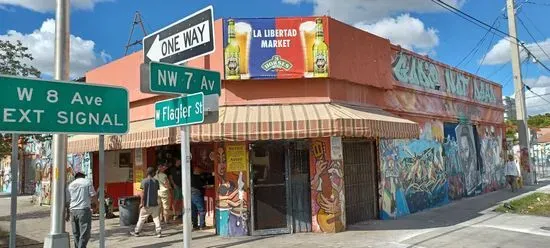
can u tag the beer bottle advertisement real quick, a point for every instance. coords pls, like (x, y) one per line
(270, 48)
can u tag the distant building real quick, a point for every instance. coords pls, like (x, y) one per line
(509, 108)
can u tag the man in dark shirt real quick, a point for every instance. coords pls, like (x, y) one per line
(175, 179)
(197, 199)
(149, 203)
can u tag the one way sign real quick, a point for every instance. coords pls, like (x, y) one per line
(188, 38)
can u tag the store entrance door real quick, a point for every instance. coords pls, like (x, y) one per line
(269, 191)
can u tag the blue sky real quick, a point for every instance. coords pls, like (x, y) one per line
(100, 29)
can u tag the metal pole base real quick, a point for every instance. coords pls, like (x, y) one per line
(57, 241)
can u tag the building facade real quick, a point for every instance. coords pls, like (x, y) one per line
(321, 126)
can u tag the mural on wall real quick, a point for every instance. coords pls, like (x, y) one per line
(232, 198)
(412, 177)
(43, 172)
(461, 161)
(79, 162)
(493, 163)
(327, 189)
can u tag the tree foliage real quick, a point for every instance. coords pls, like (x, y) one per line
(539, 121)
(14, 59)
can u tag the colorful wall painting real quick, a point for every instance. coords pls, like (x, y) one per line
(492, 158)
(327, 189)
(276, 48)
(413, 177)
(231, 199)
(411, 69)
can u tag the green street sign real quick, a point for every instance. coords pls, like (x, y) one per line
(181, 111)
(172, 79)
(31, 105)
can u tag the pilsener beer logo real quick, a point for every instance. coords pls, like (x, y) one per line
(275, 63)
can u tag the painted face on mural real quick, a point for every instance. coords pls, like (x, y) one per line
(464, 148)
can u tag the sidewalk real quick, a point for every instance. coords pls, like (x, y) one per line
(469, 222)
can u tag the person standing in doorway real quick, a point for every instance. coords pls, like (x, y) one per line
(79, 196)
(511, 172)
(164, 193)
(197, 199)
(175, 179)
(149, 203)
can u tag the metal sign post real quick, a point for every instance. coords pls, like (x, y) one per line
(14, 190)
(186, 179)
(58, 238)
(101, 191)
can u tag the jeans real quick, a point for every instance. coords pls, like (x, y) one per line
(197, 202)
(81, 221)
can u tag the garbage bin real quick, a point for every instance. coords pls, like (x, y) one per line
(128, 208)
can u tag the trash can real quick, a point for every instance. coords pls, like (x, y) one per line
(128, 208)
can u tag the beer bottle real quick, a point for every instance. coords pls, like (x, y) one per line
(320, 51)
(232, 53)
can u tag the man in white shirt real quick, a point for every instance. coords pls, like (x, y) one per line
(80, 194)
(511, 172)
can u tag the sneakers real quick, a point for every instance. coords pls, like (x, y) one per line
(136, 234)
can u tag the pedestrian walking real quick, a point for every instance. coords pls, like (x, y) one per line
(149, 203)
(79, 196)
(197, 200)
(175, 179)
(511, 172)
(164, 194)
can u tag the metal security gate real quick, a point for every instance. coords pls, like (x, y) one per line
(360, 180)
(300, 187)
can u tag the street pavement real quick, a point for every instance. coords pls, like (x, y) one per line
(469, 222)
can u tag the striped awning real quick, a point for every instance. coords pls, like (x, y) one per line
(267, 122)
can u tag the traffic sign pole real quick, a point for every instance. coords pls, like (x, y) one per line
(14, 190)
(57, 237)
(101, 191)
(186, 179)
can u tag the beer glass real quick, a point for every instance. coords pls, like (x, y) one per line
(307, 35)
(243, 34)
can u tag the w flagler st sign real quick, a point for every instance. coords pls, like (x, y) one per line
(183, 40)
(181, 111)
(30, 105)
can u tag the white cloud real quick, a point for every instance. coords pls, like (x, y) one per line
(404, 30)
(379, 17)
(49, 5)
(500, 52)
(537, 103)
(41, 45)
(353, 11)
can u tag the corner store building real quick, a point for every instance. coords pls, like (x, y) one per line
(414, 133)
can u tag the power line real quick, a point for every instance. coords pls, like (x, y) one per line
(485, 53)
(533, 37)
(476, 47)
(535, 3)
(484, 25)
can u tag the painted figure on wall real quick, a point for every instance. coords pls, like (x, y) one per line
(453, 165)
(413, 168)
(468, 159)
(493, 164)
(394, 202)
(231, 204)
(327, 189)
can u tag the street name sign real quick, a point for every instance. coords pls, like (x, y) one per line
(29, 105)
(180, 111)
(162, 78)
(188, 38)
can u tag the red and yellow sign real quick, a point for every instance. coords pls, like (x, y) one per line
(276, 48)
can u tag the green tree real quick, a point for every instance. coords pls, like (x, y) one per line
(14, 59)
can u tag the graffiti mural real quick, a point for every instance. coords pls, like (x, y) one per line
(43, 172)
(491, 157)
(232, 198)
(412, 177)
(327, 189)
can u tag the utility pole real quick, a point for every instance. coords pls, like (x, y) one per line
(521, 111)
(58, 238)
